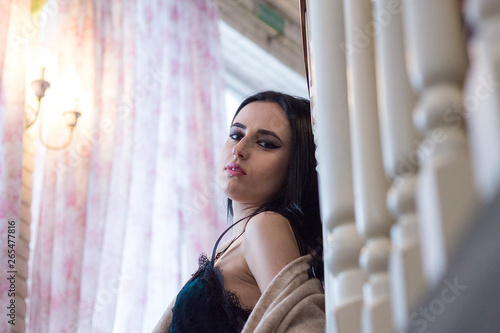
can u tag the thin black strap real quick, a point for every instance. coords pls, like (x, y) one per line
(222, 235)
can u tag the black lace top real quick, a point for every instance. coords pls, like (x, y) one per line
(203, 305)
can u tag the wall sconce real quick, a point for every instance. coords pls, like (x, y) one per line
(39, 87)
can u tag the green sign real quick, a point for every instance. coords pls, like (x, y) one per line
(271, 18)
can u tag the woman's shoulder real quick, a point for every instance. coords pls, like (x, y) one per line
(269, 226)
(268, 246)
(267, 221)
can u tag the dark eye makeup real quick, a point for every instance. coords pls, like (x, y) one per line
(235, 135)
(267, 144)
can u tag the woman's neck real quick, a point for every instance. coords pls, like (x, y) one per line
(241, 211)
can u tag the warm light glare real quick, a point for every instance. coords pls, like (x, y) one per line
(41, 75)
(77, 88)
(43, 58)
(69, 92)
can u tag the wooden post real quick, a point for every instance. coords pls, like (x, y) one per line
(342, 244)
(396, 100)
(482, 96)
(437, 62)
(370, 182)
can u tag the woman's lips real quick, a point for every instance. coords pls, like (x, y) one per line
(235, 170)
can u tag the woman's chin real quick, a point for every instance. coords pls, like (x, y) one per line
(235, 195)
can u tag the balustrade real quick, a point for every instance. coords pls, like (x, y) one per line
(482, 95)
(388, 101)
(342, 244)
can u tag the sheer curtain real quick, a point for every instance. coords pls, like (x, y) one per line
(12, 86)
(121, 215)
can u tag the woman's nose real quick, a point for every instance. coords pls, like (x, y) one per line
(239, 150)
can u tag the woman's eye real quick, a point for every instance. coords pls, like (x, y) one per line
(235, 136)
(263, 143)
(267, 144)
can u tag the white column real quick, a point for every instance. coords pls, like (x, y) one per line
(396, 100)
(482, 95)
(370, 182)
(342, 244)
(437, 63)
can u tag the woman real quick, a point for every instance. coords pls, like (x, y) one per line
(268, 278)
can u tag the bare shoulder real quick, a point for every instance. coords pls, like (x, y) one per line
(268, 246)
(266, 222)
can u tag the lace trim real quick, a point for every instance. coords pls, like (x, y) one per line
(204, 264)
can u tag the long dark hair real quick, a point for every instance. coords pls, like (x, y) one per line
(297, 199)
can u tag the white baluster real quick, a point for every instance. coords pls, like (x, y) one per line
(482, 95)
(437, 62)
(396, 100)
(342, 244)
(370, 182)
(405, 265)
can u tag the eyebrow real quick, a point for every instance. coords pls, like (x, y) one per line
(261, 131)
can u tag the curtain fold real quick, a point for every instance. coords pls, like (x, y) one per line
(13, 52)
(127, 208)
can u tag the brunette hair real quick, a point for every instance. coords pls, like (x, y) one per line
(297, 199)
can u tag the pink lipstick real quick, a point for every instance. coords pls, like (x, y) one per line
(235, 170)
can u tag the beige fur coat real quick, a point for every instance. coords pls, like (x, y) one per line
(292, 302)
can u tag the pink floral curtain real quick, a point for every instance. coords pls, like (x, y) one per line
(121, 215)
(13, 52)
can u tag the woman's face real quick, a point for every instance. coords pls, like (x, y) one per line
(254, 159)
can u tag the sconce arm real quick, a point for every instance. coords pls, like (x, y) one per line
(36, 114)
